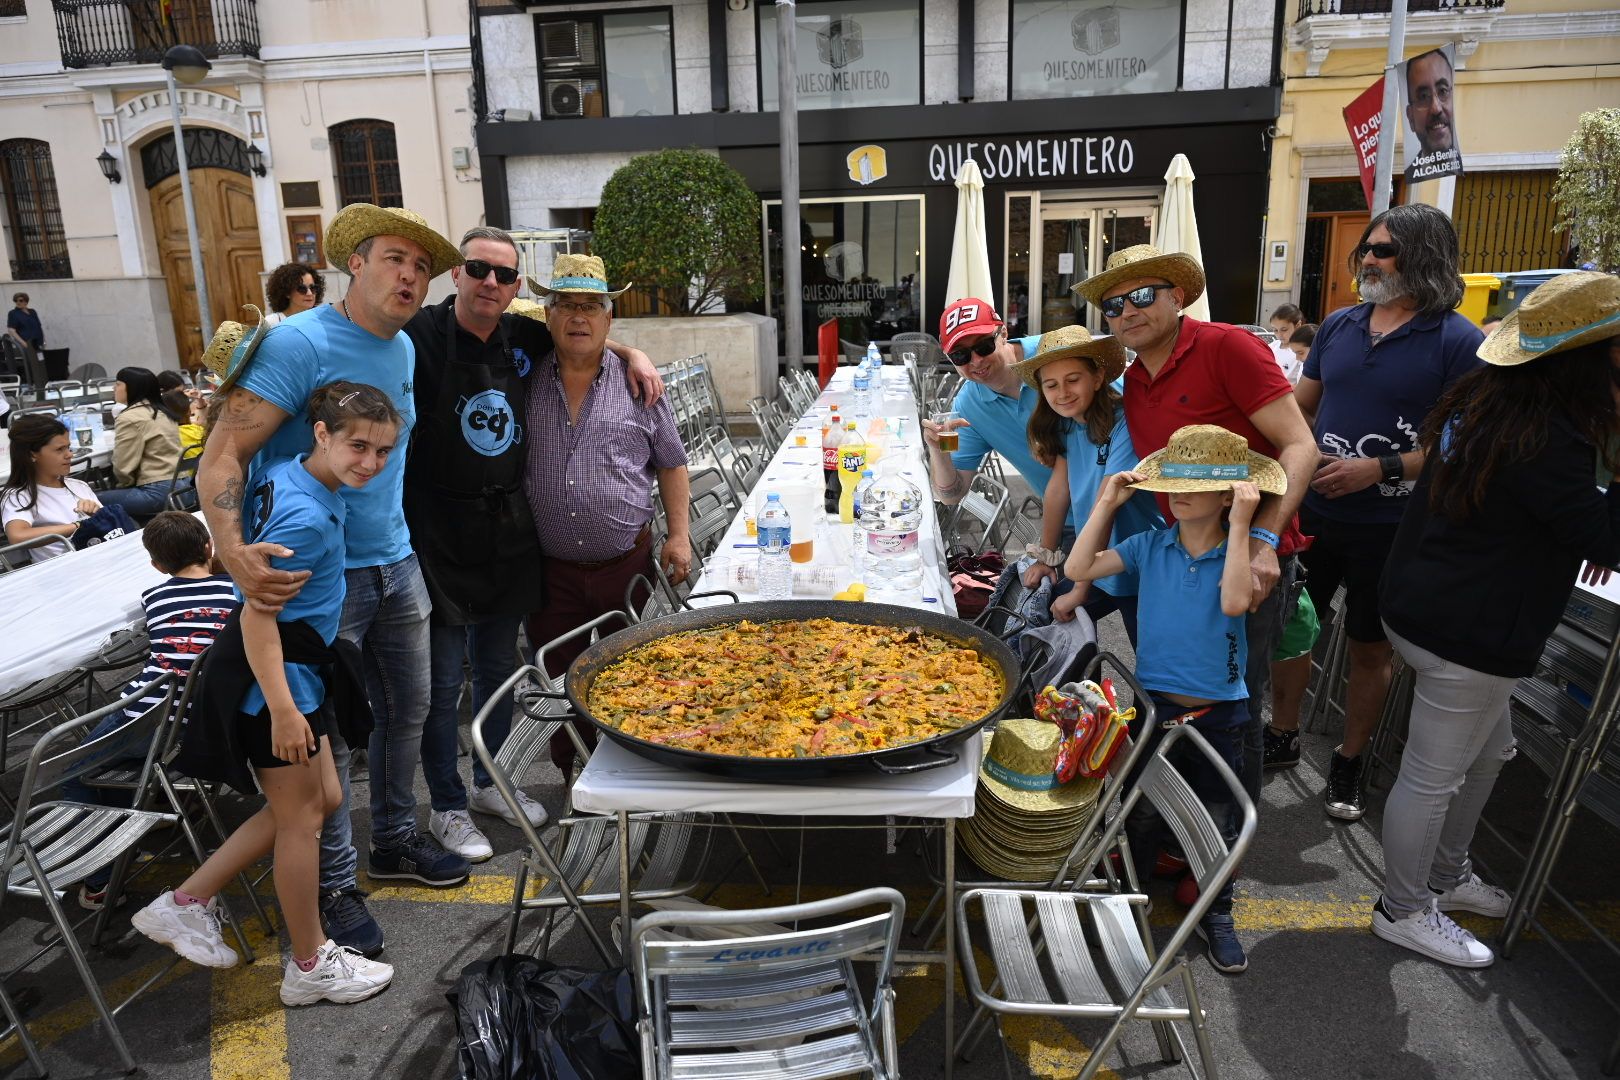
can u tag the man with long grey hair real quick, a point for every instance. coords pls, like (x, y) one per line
(1373, 373)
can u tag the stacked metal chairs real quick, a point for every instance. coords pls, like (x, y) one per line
(982, 520)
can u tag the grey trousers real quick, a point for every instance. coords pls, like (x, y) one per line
(1264, 628)
(1461, 736)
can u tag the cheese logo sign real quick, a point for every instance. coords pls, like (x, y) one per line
(867, 164)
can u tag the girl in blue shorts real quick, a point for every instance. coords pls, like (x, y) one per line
(273, 688)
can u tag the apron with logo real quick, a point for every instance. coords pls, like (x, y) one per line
(469, 517)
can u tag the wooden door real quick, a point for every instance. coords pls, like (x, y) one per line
(229, 229)
(1343, 235)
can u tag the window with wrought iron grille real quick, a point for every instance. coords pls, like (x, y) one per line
(367, 162)
(33, 212)
(607, 65)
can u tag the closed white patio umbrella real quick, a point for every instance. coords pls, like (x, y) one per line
(1178, 227)
(970, 254)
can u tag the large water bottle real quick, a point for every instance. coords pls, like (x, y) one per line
(775, 560)
(858, 545)
(863, 390)
(891, 512)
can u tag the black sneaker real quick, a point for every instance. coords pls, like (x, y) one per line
(1282, 748)
(1225, 950)
(419, 858)
(348, 923)
(1343, 796)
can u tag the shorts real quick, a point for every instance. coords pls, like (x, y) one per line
(1351, 553)
(256, 735)
(1299, 636)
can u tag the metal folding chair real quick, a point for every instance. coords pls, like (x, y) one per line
(15, 556)
(49, 698)
(185, 497)
(705, 1007)
(978, 521)
(1039, 940)
(646, 599)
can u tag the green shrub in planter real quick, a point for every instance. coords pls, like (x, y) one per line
(684, 223)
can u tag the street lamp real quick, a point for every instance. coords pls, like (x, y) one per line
(255, 160)
(187, 64)
(109, 167)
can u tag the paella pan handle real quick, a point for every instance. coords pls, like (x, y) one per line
(938, 756)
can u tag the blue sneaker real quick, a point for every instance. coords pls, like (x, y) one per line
(419, 858)
(348, 923)
(1225, 950)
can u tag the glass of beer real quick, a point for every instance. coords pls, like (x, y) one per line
(947, 434)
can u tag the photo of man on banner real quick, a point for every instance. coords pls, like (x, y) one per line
(1427, 83)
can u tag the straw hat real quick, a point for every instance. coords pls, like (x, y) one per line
(361, 221)
(527, 309)
(1145, 261)
(577, 274)
(1024, 821)
(1017, 770)
(1571, 310)
(232, 346)
(1204, 457)
(1067, 341)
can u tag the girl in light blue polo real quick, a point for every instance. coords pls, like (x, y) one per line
(275, 687)
(1195, 588)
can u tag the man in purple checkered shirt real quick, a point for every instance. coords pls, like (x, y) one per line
(594, 453)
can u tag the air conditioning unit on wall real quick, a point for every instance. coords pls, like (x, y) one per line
(573, 97)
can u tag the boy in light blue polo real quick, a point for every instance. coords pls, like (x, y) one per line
(1195, 589)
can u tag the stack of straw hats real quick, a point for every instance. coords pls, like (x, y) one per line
(1024, 821)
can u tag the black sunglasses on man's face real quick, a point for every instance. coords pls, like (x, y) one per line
(480, 269)
(1114, 306)
(983, 347)
(1379, 251)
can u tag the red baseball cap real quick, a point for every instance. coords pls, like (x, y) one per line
(967, 318)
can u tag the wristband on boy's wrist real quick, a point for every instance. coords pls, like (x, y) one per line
(1267, 535)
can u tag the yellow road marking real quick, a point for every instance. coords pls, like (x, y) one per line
(79, 1013)
(248, 1037)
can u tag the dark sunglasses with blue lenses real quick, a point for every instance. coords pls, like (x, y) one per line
(480, 269)
(1144, 297)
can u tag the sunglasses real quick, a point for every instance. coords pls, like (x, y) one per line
(984, 347)
(1379, 251)
(1141, 298)
(480, 269)
(305, 289)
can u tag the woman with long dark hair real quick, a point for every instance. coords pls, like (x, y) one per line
(1506, 510)
(292, 288)
(39, 498)
(146, 445)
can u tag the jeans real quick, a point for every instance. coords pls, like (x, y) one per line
(491, 646)
(385, 612)
(1461, 736)
(144, 501)
(1265, 629)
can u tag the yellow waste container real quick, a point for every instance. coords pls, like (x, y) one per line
(1476, 300)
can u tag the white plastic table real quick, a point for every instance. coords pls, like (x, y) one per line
(619, 781)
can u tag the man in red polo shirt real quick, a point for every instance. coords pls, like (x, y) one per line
(1191, 372)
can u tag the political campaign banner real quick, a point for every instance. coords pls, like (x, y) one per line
(1427, 85)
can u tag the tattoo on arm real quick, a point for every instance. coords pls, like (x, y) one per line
(238, 411)
(231, 497)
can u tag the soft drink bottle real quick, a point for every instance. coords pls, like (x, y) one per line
(831, 437)
(851, 461)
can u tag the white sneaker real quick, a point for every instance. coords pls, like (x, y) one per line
(340, 974)
(487, 800)
(1476, 896)
(1434, 935)
(189, 929)
(455, 831)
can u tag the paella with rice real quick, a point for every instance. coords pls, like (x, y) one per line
(795, 688)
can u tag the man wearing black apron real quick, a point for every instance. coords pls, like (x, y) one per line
(469, 518)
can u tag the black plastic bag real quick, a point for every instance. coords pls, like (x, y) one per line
(521, 1018)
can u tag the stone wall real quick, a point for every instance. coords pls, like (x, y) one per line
(741, 349)
(114, 322)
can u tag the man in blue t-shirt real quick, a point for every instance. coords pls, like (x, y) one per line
(1373, 373)
(993, 406)
(390, 256)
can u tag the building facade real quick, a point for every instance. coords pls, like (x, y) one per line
(1525, 71)
(310, 105)
(1073, 110)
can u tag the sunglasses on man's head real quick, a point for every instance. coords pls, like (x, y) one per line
(983, 347)
(1114, 306)
(480, 269)
(1379, 251)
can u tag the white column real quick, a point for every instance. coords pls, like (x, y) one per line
(266, 197)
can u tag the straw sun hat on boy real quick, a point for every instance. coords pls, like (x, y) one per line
(1205, 457)
(583, 274)
(232, 346)
(1145, 261)
(1067, 341)
(1567, 312)
(359, 222)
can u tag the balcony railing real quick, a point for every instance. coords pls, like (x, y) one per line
(1308, 8)
(96, 33)
(39, 269)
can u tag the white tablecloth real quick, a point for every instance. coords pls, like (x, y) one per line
(834, 542)
(618, 779)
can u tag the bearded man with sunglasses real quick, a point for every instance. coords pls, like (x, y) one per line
(1192, 372)
(1373, 373)
(470, 519)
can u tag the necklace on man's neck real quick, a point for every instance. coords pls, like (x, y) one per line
(346, 314)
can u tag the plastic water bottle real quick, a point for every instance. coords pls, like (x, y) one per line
(891, 512)
(775, 560)
(858, 545)
(873, 357)
(863, 390)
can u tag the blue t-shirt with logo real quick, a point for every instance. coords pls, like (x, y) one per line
(1375, 396)
(296, 510)
(308, 351)
(999, 423)
(1088, 464)
(1184, 644)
